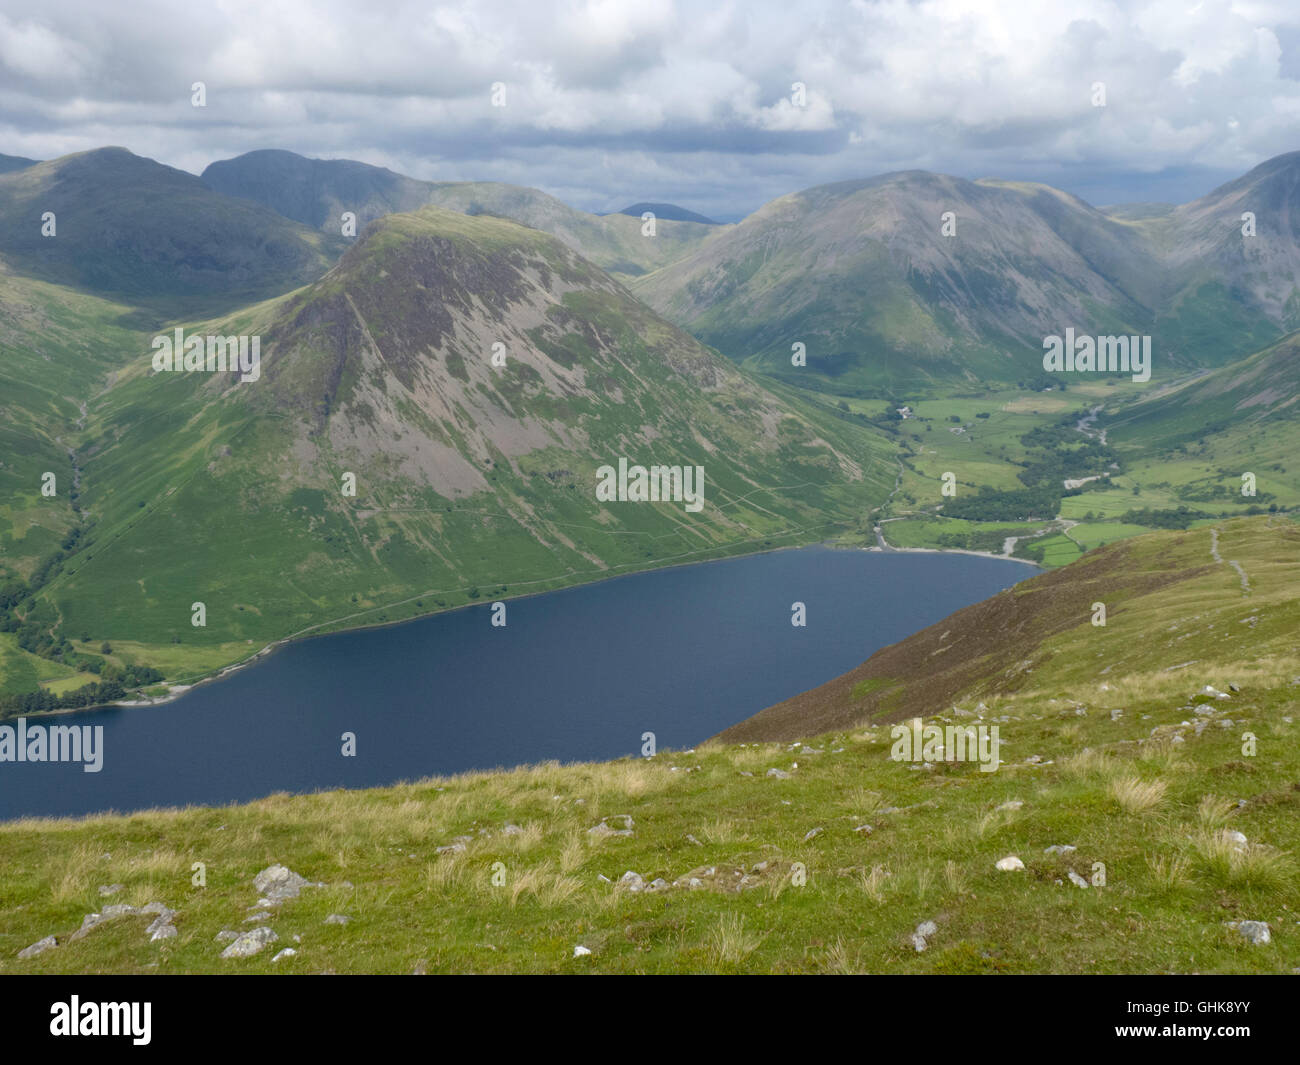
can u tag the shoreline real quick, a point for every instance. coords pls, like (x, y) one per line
(178, 691)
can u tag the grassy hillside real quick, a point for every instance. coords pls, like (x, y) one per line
(472, 480)
(1111, 748)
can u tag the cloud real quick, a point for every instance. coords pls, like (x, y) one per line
(610, 101)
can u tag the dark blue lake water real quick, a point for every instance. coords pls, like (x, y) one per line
(575, 675)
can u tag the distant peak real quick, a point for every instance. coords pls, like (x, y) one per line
(668, 211)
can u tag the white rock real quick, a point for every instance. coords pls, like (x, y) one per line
(39, 947)
(288, 952)
(250, 943)
(580, 951)
(1077, 880)
(1255, 931)
(1010, 864)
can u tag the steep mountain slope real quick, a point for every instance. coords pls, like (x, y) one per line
(863, 275)
(318, 191)
(129, 228)
(1149, 819)
(1226, 293)
(1230, 589)
(471, 478)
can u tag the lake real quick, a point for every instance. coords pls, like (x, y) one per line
(574, 675)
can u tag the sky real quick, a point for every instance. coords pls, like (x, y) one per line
(716, 106)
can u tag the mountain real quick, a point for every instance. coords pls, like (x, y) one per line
(1149, 817)
(669, 211)
(14, 162)
(131, 228)
(1224, 293)
(863, 275)
(316, 192)
(471, 479)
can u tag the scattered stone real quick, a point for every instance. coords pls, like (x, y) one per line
(1115, 715)
(779, 774)
(109, 889)
(1077, 880)
(226, 935)
(1255, 931)
(1060, 848)
(161, 931)
(866, 830)
(288, 952)
(277, 883)
(813, 834)
(632, 881)
(692, 840)
(512, 830)
(337, 918)
(1009, 864)
(1237, 839)
(580, 951)
(247, 944)
(657, 884)
(604, 828)
(1014, 804)
(39, 947)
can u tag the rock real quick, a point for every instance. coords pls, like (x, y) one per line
(277, 883)
(632, 881)
(927, 929)
(1060, 848)
(580, 951)
(657, 884)
(249, 943)
(512, 830)
(1255, 931)
(693, 841)
(604, 828)
(39, 947)
(779, 774)
(866, 830)
(226, 935)
(109, 889)
(450, 848)
(255, 918)
(161, 931)
(337, 918)
(813, 834)
(119, 909)
(1077, 880)
(1014, 804)
(288, 952)
(1237, 839)
(1115, 715)
(918, 942)
(1009, 864)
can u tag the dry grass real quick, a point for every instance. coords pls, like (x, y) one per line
(1137, 796)
(729, 942)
